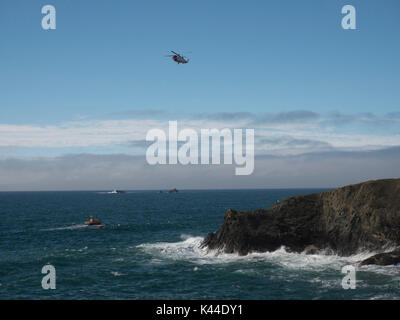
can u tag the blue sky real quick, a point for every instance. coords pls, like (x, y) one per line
(266, 59)
(259, 56)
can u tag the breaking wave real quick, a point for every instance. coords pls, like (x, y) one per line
(189, 250)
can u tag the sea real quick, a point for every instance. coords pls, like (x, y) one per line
(149, 248)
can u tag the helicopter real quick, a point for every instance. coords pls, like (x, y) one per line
(178, 58)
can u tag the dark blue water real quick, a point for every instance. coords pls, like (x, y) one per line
(149, 249)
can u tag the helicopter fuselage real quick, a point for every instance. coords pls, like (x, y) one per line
(179, 59)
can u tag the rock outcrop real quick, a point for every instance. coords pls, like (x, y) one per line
(383, 259)
(347, 220)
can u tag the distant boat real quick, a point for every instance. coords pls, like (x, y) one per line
(173, 191)
(117, 191)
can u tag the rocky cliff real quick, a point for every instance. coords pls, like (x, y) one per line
(347, 220)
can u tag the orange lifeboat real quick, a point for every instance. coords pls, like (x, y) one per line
(93, 222)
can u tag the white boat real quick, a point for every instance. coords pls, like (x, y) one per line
(117, 191)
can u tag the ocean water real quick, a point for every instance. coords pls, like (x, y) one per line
(149, 249)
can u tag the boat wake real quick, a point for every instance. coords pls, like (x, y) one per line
(73, 227)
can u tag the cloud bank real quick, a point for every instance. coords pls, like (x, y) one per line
(293, 149)
(284, 133)
(107, 172)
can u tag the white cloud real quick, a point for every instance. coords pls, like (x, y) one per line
(284, 137)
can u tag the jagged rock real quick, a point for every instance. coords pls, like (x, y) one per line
(365, 216)
(383, 259)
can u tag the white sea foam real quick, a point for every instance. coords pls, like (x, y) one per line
(77, 250)
(189, 250)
